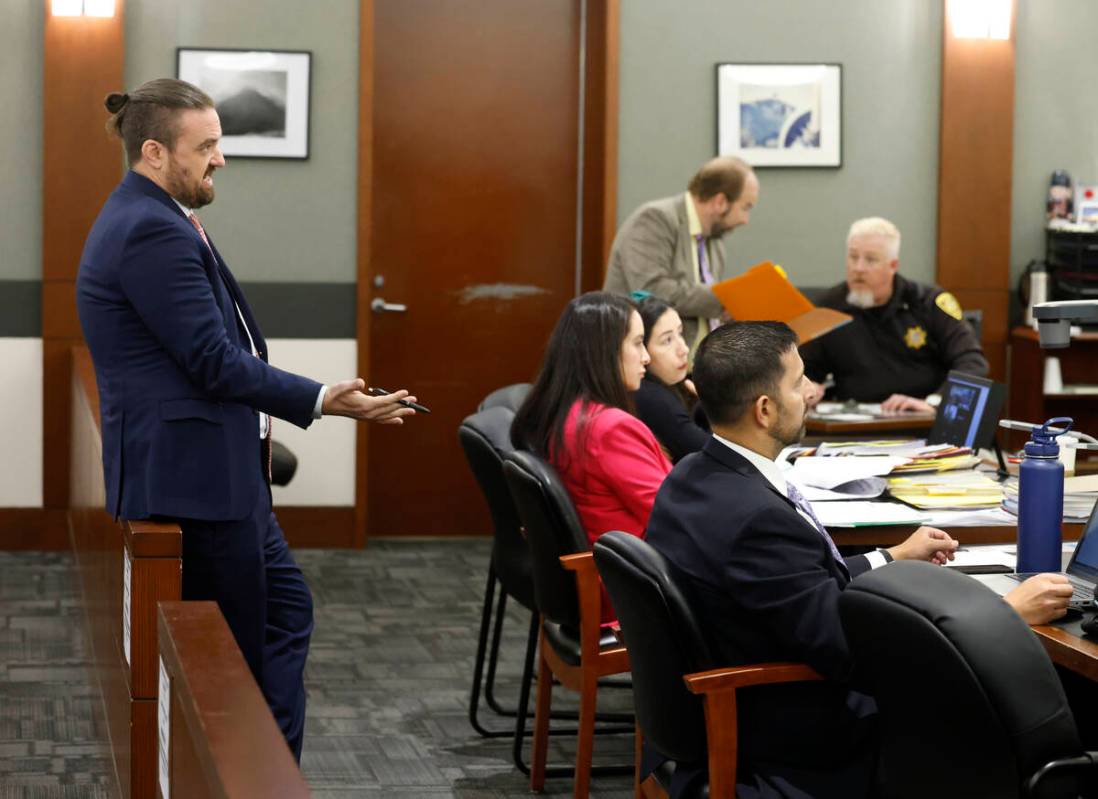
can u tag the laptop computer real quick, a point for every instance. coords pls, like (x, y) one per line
(968, 412)
(1081, 571)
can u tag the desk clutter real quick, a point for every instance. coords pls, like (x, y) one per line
(1080, 496)
(933, 484)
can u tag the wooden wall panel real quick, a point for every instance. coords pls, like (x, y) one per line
(82, 63)
(975, 160)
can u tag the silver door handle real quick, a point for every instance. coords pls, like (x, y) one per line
(378, 305)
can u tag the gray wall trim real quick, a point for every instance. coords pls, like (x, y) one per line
(303, 310)
(20, 308)
(284, 310)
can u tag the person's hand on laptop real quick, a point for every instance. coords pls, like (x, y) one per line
(901, 403)
(926, 543)
(1041, 598)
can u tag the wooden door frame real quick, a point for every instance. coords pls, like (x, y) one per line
(600, 186)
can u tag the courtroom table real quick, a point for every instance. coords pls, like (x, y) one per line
(886, 423)
(886, 535)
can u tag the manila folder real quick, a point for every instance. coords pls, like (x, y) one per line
(763, 293)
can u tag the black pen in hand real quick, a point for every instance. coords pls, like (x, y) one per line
(373, 391)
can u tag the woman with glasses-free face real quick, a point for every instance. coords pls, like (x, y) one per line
(667, 349)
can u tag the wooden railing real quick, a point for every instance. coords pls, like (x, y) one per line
(124, 568)
(217, 737)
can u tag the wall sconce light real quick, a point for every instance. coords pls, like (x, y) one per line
(82, 8)
(979, 19)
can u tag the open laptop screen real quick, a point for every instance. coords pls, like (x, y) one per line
(968, 412)
(1084, 561)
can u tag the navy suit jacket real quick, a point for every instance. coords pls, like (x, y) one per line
(766, 588)
(179, 389)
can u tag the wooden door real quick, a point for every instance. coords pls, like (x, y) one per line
(472, 170)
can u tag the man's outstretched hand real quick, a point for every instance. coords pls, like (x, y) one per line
(350, 399)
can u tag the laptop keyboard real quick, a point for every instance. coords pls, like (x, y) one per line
(1081, 593)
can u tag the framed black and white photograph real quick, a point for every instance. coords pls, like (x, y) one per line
(262, 98)
(780, 114)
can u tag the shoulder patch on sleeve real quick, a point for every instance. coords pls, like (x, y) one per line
(948, 303)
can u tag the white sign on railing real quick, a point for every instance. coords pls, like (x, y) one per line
(127, 577)
(164, 729)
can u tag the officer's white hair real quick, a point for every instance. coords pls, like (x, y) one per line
(877, 226)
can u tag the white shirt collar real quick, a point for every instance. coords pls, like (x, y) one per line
(186, 211)
(769, 469)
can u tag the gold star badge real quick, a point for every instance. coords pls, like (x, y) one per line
(915, 337)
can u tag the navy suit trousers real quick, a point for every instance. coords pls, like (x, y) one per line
(247, 568)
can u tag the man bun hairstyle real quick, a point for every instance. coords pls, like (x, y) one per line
(151, 111)
(724, 175)
(737, 363)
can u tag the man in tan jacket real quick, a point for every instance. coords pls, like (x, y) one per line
(673, 247)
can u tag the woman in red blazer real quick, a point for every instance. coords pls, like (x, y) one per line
(578, 416)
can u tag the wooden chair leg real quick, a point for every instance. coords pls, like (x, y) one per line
(542, 707)
(585, 739)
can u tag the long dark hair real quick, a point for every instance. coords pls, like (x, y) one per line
(651, 308)
(582, 362)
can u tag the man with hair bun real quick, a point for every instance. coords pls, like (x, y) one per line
(905, 337)
(186, 393)
(673, 248)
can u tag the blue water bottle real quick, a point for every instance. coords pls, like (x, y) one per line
(1041, 500)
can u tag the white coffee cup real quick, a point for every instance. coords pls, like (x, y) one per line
(1054, 379)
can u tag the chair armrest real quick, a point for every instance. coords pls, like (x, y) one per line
(589, 592)
(1049, 781)
(733, 677)
(718, 691)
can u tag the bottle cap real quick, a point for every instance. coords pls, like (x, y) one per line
(1042, 442)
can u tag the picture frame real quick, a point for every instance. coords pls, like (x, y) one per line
(261, 96)
(780, 115)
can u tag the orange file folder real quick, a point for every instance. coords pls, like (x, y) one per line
(763, 294)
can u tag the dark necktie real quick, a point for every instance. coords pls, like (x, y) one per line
(704, 271)
(797, 498)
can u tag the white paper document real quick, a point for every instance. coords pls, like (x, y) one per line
(863, 514)
(832, 472)
(866, 488)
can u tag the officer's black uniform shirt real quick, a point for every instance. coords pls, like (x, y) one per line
(903, 347)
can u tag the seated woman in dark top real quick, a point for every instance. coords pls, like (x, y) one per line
(665, 399)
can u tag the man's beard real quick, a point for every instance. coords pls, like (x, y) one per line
(195, 196)
(787, 436)
(861, 298)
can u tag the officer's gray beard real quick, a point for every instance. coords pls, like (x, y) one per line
(860, 298)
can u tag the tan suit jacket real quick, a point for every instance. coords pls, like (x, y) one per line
(653, 252)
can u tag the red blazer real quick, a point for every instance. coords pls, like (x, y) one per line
(612, 470)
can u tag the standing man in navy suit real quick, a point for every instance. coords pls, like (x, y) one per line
(767, 576)
(186, 393)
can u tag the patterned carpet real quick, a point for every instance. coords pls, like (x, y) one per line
(388, 679)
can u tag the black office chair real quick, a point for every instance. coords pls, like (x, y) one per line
(485, 438)
(511, 396)
(686, 705)
(283, 464)
(572, 648)
(970, 705)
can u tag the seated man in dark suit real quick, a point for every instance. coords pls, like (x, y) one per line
(767, 576)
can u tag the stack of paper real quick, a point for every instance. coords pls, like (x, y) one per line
(970, 489)
(1080, 495)
(832, 472)
(943, 458)
(862, 514)
(903, 448)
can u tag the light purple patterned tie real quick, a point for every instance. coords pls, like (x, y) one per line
(797, 498)
(703, 269)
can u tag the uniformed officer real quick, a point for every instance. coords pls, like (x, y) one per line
(905, 336)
